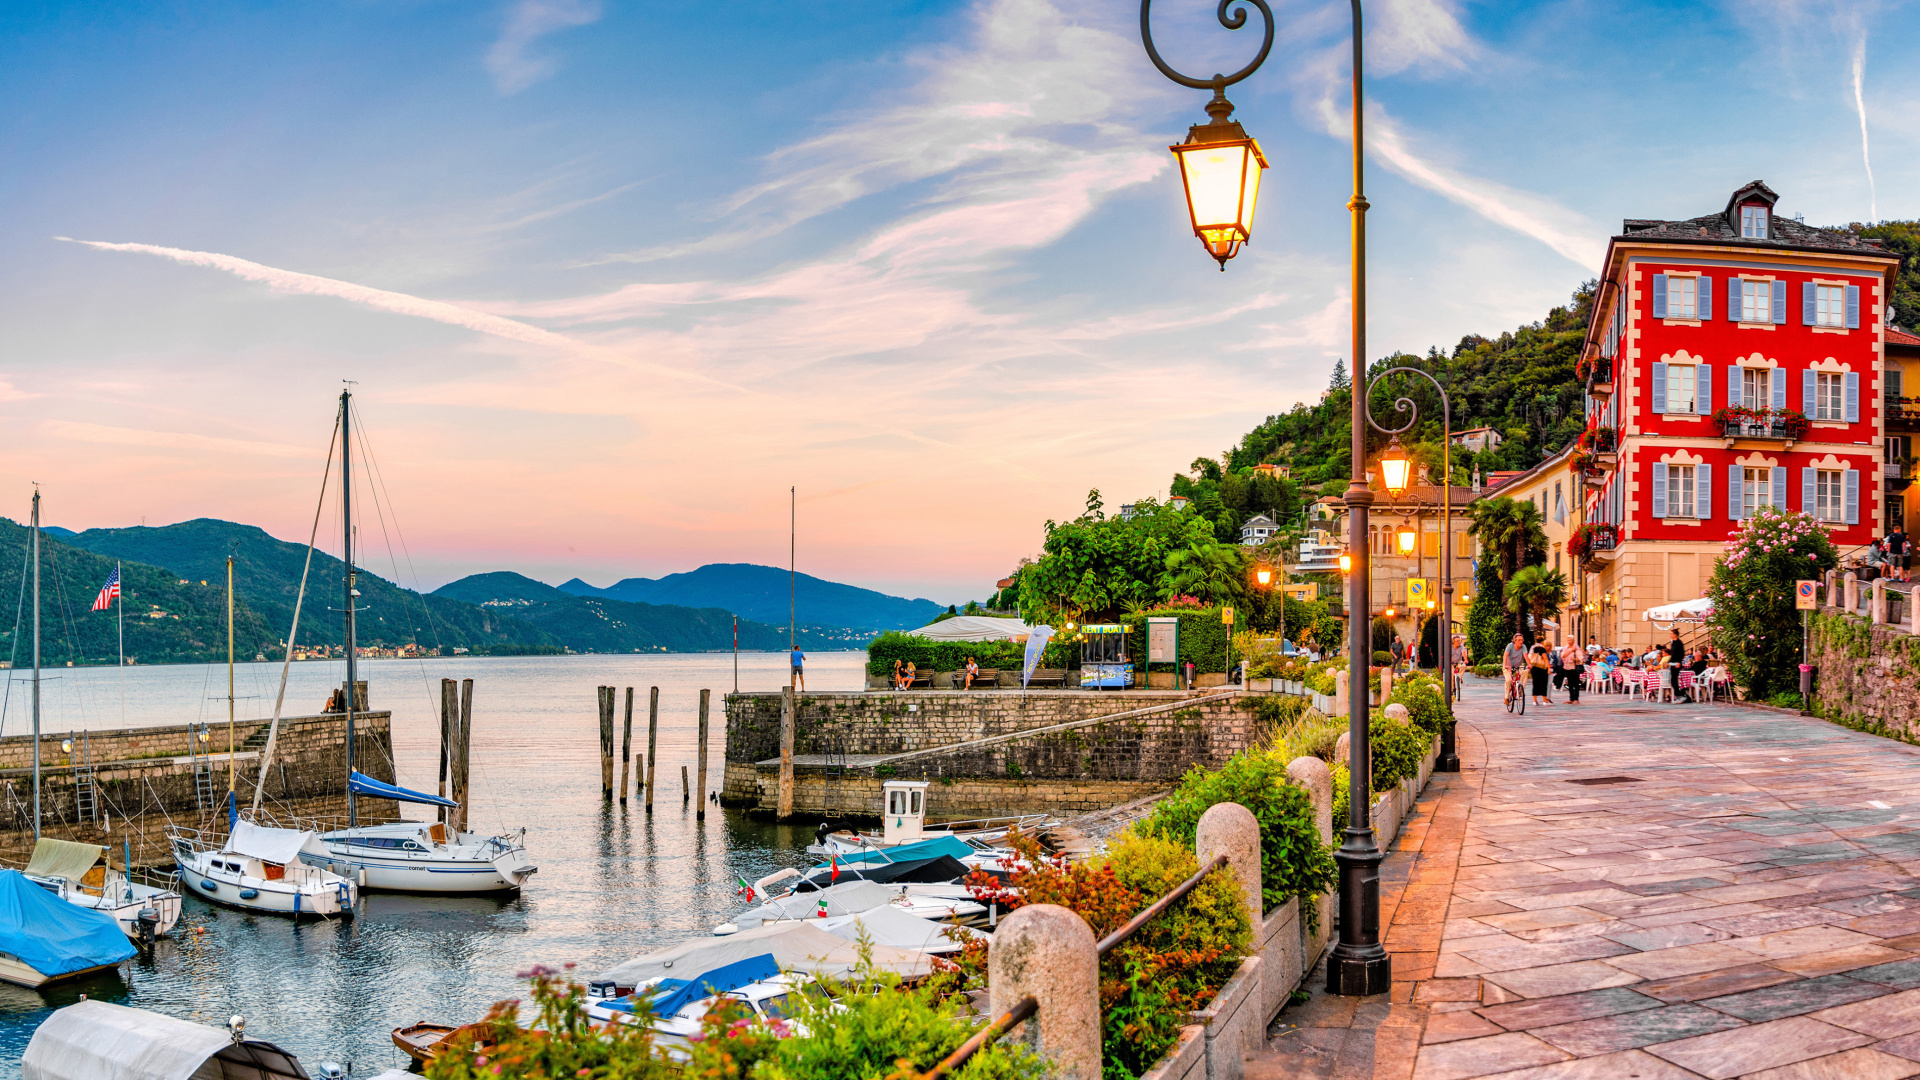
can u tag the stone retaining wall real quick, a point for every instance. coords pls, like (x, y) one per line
(1869, 675)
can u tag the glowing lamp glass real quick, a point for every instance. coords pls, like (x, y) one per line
(1263, 575)
(1221, 169)
(1407, 539)
(1346, 563)
(1394, 467)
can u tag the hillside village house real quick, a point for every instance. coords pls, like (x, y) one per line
(1477, 439)
(1735, 361)
(1391, 572)
(1257, 530)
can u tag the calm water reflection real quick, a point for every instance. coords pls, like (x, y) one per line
(612, 882)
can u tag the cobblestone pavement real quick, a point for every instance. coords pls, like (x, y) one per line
(1622, 889)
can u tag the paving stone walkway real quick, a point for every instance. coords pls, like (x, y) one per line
(1633, 890)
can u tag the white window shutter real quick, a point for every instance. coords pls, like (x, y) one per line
(1703, 299)
(1659, 489)
(1659, 388)
(1853, 496)
(1779, 388)
(1703, 491)
(1853, 397)
(1808, 313)
(1736, 491)
(1853, 307)
(1779, 499)
(1809, 491)
(1778, 291)
(1703, 389)
(1810, 394)
(1733, 299)
(1659, 296)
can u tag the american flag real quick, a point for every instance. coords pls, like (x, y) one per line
(108, 591)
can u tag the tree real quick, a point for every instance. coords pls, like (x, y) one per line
(1754, 622)
(1211, 571)
(1487, 616)
(1093, 568)
(1535, 590)
(1339, 381)
(1511, 535)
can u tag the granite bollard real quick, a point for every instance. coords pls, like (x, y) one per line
(1048, 953)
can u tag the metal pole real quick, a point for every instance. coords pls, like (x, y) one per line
(1449, 760)
(346, 513)
(232, 745)
(36, 664)
(1359, 964)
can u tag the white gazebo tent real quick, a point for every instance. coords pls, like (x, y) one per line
(1694, 611)
(974, 628)
(98, 1040)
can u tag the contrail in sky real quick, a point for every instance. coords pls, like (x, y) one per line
(1860, 106)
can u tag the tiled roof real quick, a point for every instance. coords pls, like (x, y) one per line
(1724, 228)
(1901, 337)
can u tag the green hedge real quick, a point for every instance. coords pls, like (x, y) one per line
(1203, 638)
(927, 654)
(1426, 702)
(1293, 862)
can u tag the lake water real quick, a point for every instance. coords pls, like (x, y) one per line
(613, 882)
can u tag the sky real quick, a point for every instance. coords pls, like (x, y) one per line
(610, 278)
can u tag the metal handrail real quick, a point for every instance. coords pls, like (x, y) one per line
(1026, 1007)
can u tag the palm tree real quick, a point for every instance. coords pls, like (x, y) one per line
(1510, 532)
(1535, 590)
(1212, 572)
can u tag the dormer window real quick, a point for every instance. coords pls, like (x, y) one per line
(1753, 223)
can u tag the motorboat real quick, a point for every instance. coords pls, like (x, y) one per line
(89, 1040)
(903, 821)
(420, 856)
(44, 939)
(80, 874)
(799, 946)
(934, 903)
(675, 1007)
(259, 868)
(424, 1040)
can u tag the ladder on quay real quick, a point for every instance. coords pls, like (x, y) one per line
(86, 792)
(203, 786)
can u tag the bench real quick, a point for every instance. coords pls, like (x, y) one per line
(984, 679)
(1048, 677)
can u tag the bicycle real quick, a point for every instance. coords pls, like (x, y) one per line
(1516, 698)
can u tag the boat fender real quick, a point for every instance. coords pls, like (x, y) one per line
(724, 929)
(209, 886)
(363, 877)
(249, 894)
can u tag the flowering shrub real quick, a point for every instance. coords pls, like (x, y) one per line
(1792, 422)
(1754, 622)
(1590, 537)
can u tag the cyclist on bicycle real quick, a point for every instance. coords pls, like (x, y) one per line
(1513, 661)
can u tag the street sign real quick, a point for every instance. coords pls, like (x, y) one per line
(1226, 615)
(1417, 595)
(1803, 595)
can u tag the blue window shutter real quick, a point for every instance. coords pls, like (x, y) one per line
(1659, 489)
(1659, 388)
(1703, 389)
(1809, 489)
(1778, 291)
(1853, 397)
(1853, 496)
(1779, 388)
(1703, 491)
(1733, 299)
(1810, 394)
(1853, 307)
(1659, 296)
(1703, 299)
(1779, 499)
(1807, 312)
(1736, 490)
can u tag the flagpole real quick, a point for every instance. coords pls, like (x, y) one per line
(120, 607)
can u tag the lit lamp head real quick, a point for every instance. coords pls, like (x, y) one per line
(1220, 165)
(1346, 563)
(1389, 613)
(1430, 605)
(1264, 575)
(1406, 538)
(1394, 468)
(66, 746)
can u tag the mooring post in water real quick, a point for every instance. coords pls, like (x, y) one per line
(463, 756)
(449, 713)
(684, 794)
(626, 746)
(784, 808)
(639, 774)
(700, 808)
(606, 742)
(653, 741)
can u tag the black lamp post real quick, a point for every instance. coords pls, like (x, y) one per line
(1359, 964)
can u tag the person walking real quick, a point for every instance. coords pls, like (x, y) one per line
(1899, 557)
(1542, 667)
(1574, 661)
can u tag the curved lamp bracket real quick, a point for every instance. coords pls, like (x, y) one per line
(1406, 405)
(1233, 16)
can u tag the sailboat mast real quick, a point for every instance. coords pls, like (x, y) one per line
(346, 511)
(36, 665)
(231, 785)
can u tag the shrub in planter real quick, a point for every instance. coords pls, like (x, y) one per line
(1382, 658)
(1754, 622)
(1397, 749)
(1425, 700)
(1487, 671)
(1293, 862)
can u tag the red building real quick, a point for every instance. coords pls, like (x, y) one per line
(1734, 361)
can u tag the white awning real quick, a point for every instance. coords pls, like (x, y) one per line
(973, 628)
(280, 846)
(98, 1040)
(1685, 611)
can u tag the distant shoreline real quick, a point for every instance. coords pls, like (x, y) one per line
(49, 668)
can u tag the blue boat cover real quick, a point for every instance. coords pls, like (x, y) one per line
(923, 849)
(362, 784)
(52, 936)
(718, 981)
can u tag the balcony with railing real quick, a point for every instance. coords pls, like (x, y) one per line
(1902, 412)
(1737, 422)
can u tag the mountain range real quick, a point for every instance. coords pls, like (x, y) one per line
(761, 592)
(173, 585)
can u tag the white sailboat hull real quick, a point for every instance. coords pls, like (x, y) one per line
(305, 891)
(404, 857)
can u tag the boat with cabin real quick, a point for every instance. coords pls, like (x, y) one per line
(81, 874)
(259, 868)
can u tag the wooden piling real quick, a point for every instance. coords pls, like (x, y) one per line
(449, 710)
(700, 791)
(784, 807)
(653, 741)
(640, 774)
(626, 746)
(606, 742)
(684, 793)
(463, 756)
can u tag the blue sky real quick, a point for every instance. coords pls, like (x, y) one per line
(612, 276)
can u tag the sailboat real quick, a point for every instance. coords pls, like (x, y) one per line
(401, 856)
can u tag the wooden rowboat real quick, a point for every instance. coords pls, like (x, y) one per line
(421, 1041)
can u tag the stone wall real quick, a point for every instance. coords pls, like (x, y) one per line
(1083, 768)
(1869, 675)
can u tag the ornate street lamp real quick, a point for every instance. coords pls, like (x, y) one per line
(1358, 963)
(1407, 538)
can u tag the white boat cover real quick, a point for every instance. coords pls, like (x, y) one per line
(63, 858)
(973, 628)
(842, 899)
(280, 846)
(900, 929)
(1685, 611)
(98, 1040)
(795, 946)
